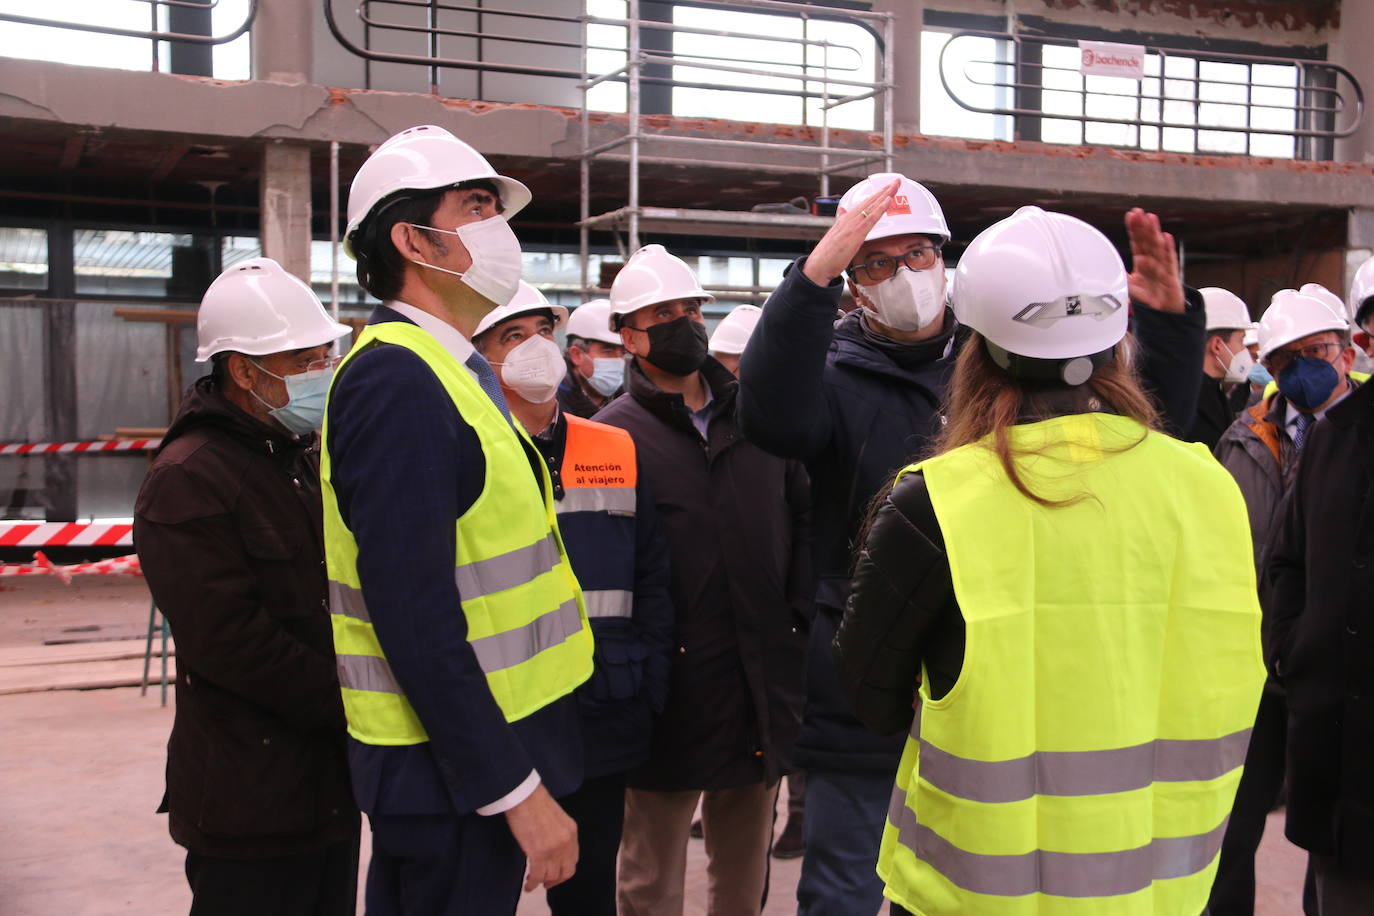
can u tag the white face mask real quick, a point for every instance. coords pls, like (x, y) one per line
(908, 301)
(496, 263)
(533, 369)
(1238, 369)
(608, 374)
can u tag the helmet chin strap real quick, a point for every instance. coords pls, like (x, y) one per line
(1072, 371)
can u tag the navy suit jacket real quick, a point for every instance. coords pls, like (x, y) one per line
(404, 466)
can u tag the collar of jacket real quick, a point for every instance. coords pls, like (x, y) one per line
(1355, 408)
(924, 362)
(205, 405)
(1268, 417)
(671, 407)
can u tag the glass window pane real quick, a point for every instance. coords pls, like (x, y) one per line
(353, 299)
(23, 258)
(977, 70)
(161, 265)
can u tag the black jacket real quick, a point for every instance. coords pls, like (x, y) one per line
(1317, 598)
(736, 520)
(228, 529)
(856, 412)
(902, 613)
(1217, 409)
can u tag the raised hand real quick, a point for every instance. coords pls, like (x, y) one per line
(844, 239)
(1154, 280)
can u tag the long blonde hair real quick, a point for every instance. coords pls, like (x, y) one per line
(984, 401)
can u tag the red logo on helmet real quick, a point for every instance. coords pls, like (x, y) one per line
(899, 206)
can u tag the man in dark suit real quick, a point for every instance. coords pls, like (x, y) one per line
(459, 628)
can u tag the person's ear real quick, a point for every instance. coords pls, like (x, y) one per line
(1347, 361)
(405, 238)
(627, 339)
(241, 371)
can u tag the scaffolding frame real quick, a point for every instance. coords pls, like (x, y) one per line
(635, 217)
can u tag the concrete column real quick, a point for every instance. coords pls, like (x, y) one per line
(284, 198)
(283, 32)
(1351, 50)
(907, 23)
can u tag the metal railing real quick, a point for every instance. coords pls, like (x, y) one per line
(812, 81)
(1320, 103)
(154, 33)
(823, 73)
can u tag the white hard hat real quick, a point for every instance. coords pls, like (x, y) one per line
(1225, 310)
(592, 321)
(1292, 315)
(1252, 334)
(1047, 286)
(652, 275)
(1326, 297)
(734, 329)
(913, 208)
(423, 158)
(527, 299)
(256, 307)
(1361, 288)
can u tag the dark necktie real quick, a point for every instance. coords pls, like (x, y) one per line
(486, 377)
(1300, 434)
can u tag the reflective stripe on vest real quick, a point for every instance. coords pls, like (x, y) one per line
(609, 602)
(479, 578)
(617, 501)
(1121, 769)
(1062, 874)
(1086, 758)
(525, 619)
(599, 473)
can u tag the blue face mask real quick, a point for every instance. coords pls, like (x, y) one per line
(303, 411)
(1260, 376)
(608, 375)
(1308, 382)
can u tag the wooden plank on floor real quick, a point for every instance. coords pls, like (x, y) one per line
(69, 653)
(79, 676)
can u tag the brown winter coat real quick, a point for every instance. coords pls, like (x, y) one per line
(228, 529)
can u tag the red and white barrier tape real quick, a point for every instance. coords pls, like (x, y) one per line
(42, 566)
(64, 448)
(66, 534)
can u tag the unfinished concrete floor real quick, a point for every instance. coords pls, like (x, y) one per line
(81, 774)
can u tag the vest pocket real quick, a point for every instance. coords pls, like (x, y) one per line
(618, 666)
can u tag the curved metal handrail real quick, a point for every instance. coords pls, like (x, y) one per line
(150, 34)
(1305, 106)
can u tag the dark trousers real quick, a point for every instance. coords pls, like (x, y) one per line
(1233, 892)
(434, 865)
(323, 882)
(796, 797)
(843, 828)
(599, 810)
(1341, 893)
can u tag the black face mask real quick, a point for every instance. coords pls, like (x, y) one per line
(678, 347)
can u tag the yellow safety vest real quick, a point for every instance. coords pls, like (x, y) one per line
(527, 625)
(1086, 759)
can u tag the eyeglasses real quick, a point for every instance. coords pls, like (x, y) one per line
(1279, 359)
(922, 257)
